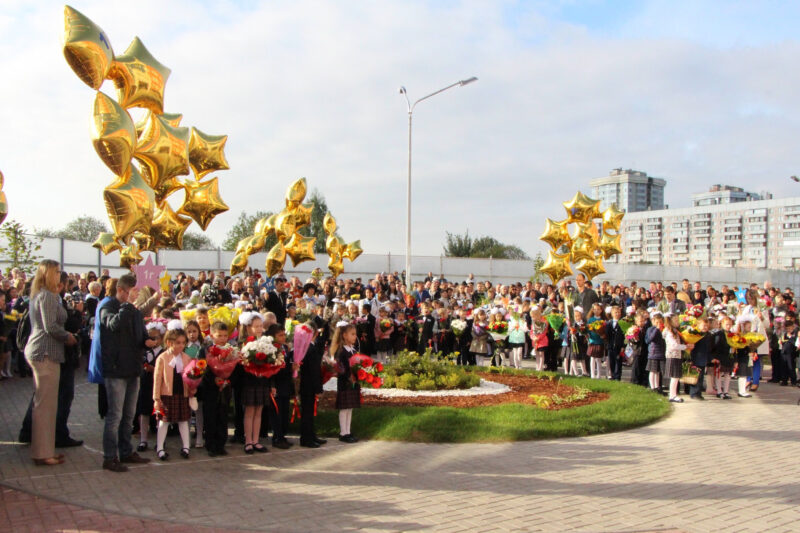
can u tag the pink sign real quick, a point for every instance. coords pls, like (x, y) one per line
(148, 274)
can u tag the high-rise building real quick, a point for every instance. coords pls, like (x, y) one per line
(754, 234)
(726, 194)
(631, 190)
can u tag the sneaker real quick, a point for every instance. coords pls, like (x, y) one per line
(114, 465)
(745, 395)
(676, 400)
(135, 458)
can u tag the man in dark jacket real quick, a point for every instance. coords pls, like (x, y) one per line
(310, 386)
(122, 340)
(276, 299)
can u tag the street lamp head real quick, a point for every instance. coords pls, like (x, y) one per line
(402, 90)
(794, 178)
(469, 80)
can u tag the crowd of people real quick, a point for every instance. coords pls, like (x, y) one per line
(138, 345)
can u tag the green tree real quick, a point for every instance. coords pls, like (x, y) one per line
(83, 228)
(538, 263)
(18, 247)
(458, 245)
(244, 228)
(193, 240)
(466, 246)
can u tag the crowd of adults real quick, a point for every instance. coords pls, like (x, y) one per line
(71, 315)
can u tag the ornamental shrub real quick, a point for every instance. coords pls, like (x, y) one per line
(427, 371)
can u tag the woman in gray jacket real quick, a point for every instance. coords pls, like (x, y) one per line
(45, 353)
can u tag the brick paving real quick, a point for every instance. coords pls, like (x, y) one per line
(708, 466)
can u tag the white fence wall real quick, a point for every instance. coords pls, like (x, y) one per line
(80, 256)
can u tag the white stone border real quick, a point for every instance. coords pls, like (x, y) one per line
(485, 388)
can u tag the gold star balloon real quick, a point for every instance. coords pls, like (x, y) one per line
(140, 78)
(207, 153)
(255, 244)
(284, 225)
(173, 119)
(588, 232)
(591, 267)
(301, 215)
(335, 265)
(609, 245)
(352, 251)
(275, 259)
(106, 243)
(86, 48)
(168, 228)
(300, 249)
(556, 266)
(113, 134)
(296, 193)
(241, 246)
(239, 263)
(555, 233)
(202, 201)
(130, 255)
(582, 248)
(130, 202)
(329, 224)
(612, 218)
(146, 242)
(163, 152)
(581, 208)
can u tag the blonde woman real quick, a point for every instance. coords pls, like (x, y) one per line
(45, 353)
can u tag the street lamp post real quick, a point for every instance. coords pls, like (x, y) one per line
(411, 107)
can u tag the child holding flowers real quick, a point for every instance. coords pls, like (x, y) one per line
(480, 337)
(595, 350)
(383, 334)
(723, 359)
(348, 391)
(743, 370)
(282, 390)
(538, 334)
(144, 404)
(517, 331)
(255, 388)
(196, 350)
(574, 335)
(169, 395)
(635, 337)
(656, 351)
(674, 353)
(216, 390)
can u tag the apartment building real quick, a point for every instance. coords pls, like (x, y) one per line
(630, 190)
(748, 234)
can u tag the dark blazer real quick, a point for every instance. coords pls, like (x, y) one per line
(311, 370)
(343, 366)
(425, 324)
(366, 335)
(122, 337)
(703, 351)
(722, 350)
(277, 304)
(282, 381)
(615, 338)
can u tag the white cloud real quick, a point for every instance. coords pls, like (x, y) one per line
(310, 89)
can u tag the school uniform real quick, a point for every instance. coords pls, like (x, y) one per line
(639, 357)
(479, 345)
(348, 394)
(216, 398)
(615, 343)
(169, 388)
(310, 386)
(656, 351)
(575, 342)
(365, 326)
(284, 390)
(144, 403)
(426, 326)
(463, 343)
(701, 357)
(447, 339)
(788, 357)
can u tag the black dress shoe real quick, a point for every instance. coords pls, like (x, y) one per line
(320, 441)
(312, 444)
(282, 445)
(349, 439)
(68, 443)
(24, 438)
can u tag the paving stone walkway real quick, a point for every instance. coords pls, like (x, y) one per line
(708, 466)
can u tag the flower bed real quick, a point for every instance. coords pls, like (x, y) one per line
(429, 371)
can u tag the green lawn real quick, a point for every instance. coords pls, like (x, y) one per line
(628, 406)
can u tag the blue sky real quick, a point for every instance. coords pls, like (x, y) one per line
(695, 92)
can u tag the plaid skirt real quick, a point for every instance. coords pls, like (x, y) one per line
(176, 408)
(595, 350)
(255, 391)
(348, 399)
(674, 368)
(656, 365)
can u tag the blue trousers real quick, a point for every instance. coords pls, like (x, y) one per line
(756, 377)
(122, 395)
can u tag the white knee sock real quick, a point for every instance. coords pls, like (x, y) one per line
(673, 387)
(183, 428)
(343, 422)
(653, 380)
(161, 435)
(349, 421)
(539, 360)
(742, 385)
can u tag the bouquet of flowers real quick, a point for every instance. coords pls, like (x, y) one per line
(598, 327)
(367, 372)
(498, 330)
(261, 358)
(690, 335)
(328, 370)
(222, 360)
(754, 340)
(736, 341)
(458, 326)
(289, 327)
(304, 315)
(193, 374)
(222, 383)
(695, 311)
(625, 324)
(556, 321)
(686, 321)
(633, 333)
(385, 324)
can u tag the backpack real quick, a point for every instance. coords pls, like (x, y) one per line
(23, 331)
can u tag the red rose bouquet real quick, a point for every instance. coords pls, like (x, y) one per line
(261, 358)
(222, 360)
(367, 372)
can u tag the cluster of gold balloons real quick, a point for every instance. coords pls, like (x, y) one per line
(140, 216)
(586, 247)
(285, 226)
(3, 200)
(337, 250)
